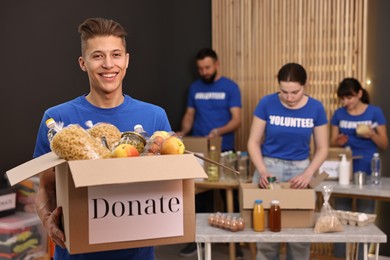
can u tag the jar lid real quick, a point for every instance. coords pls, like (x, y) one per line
(131, 133)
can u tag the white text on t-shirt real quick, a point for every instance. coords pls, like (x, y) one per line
(291, 121)
(210, 95)
(352, 124)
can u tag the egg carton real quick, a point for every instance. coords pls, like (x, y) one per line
(355, 218)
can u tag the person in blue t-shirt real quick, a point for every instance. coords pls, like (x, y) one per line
(213, 104)
(279, 143)
(213, 109)
(357, 110)
(105, 60)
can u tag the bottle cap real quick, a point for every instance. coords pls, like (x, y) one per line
(258, 201)
(50, 122)
(376, 154)
(138, 127)
(274, 202)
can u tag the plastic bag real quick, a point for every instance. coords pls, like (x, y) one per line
(328, 220)
(106, 133)
(74, 143)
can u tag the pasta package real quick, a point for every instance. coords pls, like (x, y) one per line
(106, 132)
(74, 143)
(328, 220)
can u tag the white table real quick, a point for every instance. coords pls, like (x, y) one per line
(381, 192)
(352, 234)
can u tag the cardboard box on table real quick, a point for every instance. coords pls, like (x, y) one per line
(297, 205)
(121, 203)
(332, 162)
(201, 146)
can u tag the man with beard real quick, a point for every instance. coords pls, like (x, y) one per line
(213, 109)
(214, 103)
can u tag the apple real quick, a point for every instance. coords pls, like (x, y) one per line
(124, 150)
(172, 145)
(163, 134)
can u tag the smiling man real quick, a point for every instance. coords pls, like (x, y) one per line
(105, 60)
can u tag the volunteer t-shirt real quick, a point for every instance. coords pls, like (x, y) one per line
(360, 146)
(125, 116)
(288, 131)
(212, 103)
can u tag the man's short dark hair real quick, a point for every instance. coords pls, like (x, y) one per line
(206, 52)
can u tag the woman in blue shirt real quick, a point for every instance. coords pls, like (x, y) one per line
(355, 111)
(279, 143)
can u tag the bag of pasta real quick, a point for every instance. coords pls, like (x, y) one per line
(106, 133)
(74, 143)
(328, 220)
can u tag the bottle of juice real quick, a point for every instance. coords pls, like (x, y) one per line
(275, 217)
(258, 216)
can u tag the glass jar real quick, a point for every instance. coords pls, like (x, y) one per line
(134, 139)
(275, 217)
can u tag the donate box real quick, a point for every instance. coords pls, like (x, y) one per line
(121, 203)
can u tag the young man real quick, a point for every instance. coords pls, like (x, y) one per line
(213, 109)
(105, 60)
(214, 103)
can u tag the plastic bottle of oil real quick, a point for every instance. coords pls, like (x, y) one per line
(50, 123)
(258, 216)
(212, 169)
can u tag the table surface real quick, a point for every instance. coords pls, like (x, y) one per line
(379, 192)
(204, 183)
(351, 234)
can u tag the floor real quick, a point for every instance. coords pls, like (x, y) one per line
(219, 252)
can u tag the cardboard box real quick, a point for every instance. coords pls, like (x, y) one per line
(121, 203)
(332, 162)
(22, 236)
(201, 146)
(297, 205)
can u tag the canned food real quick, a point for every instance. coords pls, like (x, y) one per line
(134, 139)
(271, 181)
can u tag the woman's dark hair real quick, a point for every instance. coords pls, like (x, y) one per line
(292, 72)
(350, 87)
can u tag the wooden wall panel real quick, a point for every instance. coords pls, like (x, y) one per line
(254, 38)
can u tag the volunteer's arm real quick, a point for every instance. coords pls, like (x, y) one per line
(46, 208)
(255, 139)
(321, 152)
(187, 122)
(231, 126)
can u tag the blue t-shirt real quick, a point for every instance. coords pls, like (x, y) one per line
(212, 103)
(124, 117)
(360, 146)
(288, 131)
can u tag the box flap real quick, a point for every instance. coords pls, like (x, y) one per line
(318, 178)
(33, 167)
(135, 169)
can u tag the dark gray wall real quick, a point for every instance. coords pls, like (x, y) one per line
(378, 71)
(40, 47)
